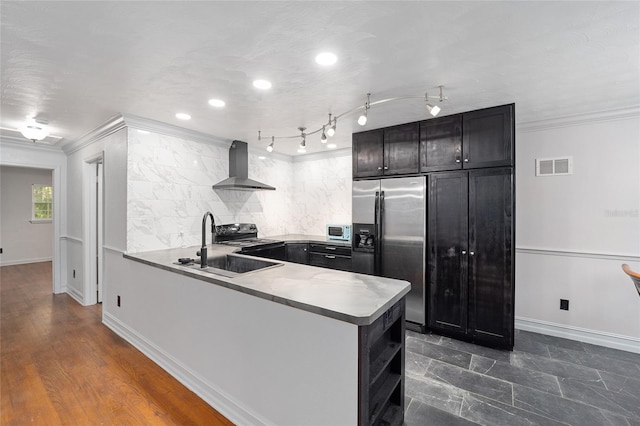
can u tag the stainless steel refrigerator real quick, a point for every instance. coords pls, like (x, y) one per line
(389, 235)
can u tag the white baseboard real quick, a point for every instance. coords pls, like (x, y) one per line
(75, 294)
(610, 340)
(25, 261)
(214, 397)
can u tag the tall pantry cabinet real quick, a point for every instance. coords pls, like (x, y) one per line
(470, 220)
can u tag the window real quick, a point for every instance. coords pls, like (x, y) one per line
(41, 203)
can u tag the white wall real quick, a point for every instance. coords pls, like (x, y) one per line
(574, 232)
(112, 147)
(321, 191)
(22, 241)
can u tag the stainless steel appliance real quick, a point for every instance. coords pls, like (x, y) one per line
(389, 236)
(244, 236)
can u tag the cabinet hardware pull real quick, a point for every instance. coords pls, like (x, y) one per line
(330, 248)
(379, 168)
(466, 159)
(464, 252)
(386, 167)
(472, 253)
(329, 256)
(457, 160)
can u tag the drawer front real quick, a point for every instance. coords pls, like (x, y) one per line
(331, 261)
(330, 249)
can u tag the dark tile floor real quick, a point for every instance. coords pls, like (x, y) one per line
(545, 381)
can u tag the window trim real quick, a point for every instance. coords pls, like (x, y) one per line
(33, 219)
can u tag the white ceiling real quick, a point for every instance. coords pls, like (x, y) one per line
(77, 64)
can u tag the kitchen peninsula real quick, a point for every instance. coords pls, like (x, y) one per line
(292, 344)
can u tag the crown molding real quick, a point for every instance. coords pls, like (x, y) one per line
(21, 143)
(153, 126)
(580, 119)
(112, 125)
(323, 155)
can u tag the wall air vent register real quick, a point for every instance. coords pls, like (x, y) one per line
(554, 166)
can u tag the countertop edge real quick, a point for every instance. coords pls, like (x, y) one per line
(227, 283)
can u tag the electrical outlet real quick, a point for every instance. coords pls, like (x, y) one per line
(74, 273)
(564, 304)
(118, 301)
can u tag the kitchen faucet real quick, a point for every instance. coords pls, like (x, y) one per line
(203, 250)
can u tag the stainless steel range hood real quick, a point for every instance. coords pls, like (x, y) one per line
(239, 171)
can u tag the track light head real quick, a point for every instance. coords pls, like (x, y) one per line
(270, 147)
(323, 138)
(433, 109)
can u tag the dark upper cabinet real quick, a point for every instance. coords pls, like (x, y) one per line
(470, 257)
(491, 258)
(441, 144)
(387, 152)
(488, 137)
(448, 241)
(401, 147)
(368, 154)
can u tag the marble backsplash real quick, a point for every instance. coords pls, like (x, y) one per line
(169, 189)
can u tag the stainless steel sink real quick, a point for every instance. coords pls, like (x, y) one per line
(231, 265)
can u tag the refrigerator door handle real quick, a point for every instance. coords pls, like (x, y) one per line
(376, 238)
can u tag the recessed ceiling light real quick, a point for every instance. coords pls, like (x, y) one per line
(332, 146)
(218, 103)
(262, 84)
(183, 116)
(326, 58)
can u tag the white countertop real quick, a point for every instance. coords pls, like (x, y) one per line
(345, 296)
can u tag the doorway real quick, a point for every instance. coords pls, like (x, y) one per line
(93, 229)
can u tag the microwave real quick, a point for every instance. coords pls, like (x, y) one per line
(339, 232)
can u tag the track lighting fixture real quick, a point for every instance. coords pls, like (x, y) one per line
(362, 120)
(329, 129)
(332, 127)
(303, 143)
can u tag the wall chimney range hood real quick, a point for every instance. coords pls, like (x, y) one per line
(239, 171)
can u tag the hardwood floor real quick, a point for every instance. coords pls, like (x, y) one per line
(60, 365)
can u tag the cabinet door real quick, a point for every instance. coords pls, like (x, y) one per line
(298, 253)
(401, 145)
(368, 154)
(491, 257)
(441, 144)
(488, 137)
(447, 239)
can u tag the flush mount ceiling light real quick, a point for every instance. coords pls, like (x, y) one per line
(326, 59)
(262, 84)
(218, 103)
(35, 129)
(329, 129)
(183, 116)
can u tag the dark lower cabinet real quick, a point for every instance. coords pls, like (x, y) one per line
(381, 369)
(471, 261)
(331, 256)
(298, 253)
